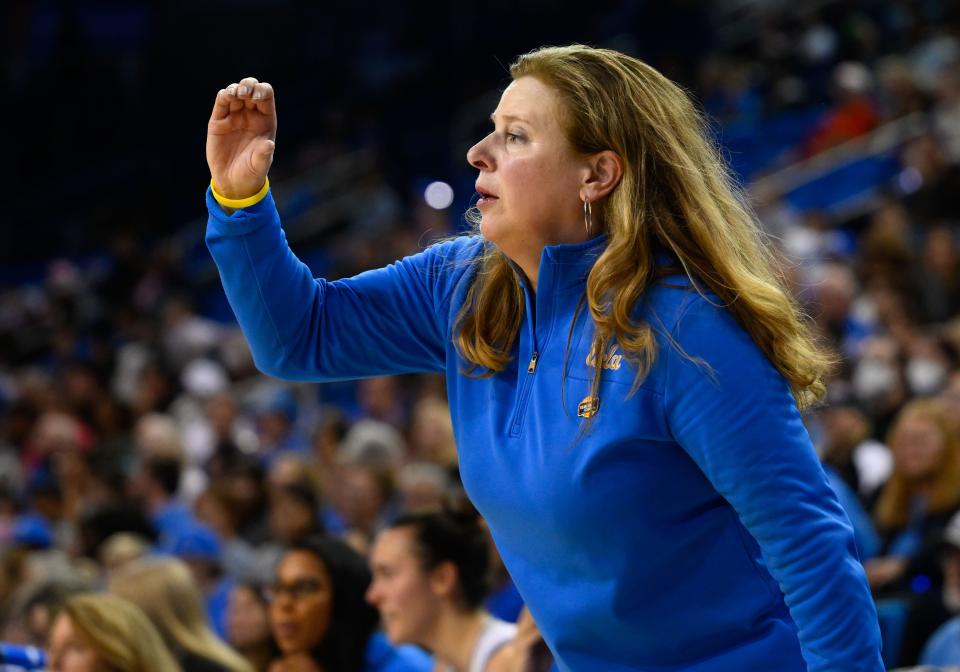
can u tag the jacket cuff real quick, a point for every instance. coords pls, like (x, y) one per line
(242, 221)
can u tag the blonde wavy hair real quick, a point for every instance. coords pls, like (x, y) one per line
(164, 588)
(675, 189)
(893, 506)
(120, 632)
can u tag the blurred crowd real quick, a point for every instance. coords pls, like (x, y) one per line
(164, 505)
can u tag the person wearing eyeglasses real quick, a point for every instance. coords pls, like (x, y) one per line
(320, 620)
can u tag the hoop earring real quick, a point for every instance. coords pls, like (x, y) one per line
(587, 215)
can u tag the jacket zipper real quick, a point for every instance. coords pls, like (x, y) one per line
(524, 395)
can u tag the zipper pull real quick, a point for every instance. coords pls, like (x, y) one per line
(532, 366)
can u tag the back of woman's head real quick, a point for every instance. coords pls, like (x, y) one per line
(166, 591)
(444, 536)
(352, 620)
(120, 632)
(675, 193)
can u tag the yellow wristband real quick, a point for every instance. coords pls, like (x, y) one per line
(237, 203)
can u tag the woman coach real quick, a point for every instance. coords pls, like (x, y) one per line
(624, 369)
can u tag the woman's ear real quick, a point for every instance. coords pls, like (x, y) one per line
(443, 579)
(605, 173)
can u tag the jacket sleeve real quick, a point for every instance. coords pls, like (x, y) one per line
(381, 322)
(740, 424)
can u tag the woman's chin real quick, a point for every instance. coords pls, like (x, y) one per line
(490, 231)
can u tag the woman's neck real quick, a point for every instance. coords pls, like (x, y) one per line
(258, 655)
(455, 636)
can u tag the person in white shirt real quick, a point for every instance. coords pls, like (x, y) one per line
(430, 577)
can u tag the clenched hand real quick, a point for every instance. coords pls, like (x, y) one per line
(241, 136)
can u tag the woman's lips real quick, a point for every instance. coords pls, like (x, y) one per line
(286, 630)
(486, 198)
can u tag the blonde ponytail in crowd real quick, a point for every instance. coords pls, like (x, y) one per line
(166, 591)
(120, 633)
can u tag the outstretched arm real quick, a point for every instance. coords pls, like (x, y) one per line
(381, 322)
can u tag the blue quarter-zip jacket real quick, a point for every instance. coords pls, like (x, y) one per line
(692, 529)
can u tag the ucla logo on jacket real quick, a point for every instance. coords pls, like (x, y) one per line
(611, 360)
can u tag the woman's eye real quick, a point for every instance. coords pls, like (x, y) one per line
(514, 137)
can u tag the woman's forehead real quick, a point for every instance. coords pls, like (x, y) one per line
(529, 100)
(393, 544)
(299, 562)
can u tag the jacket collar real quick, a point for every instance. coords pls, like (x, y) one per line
(566, 266)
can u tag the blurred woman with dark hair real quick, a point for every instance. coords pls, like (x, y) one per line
(319, 618)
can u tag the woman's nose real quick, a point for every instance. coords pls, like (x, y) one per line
(478, 157)
(372, 596)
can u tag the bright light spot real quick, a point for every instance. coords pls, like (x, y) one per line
(438, 195)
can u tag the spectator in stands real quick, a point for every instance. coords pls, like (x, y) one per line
(230, 432)
(30, 610)
(380, 399)
(430, 577)
(362, 498)
(96, 632)
(155, 390)
(277, 428)
(244, 482)
(294, 513)
(853, 113)
(325, 442)
(319, 618)
(291, 468)
(373, 443)
(199, 547)
(915, 504)
(119, 549)
(845, 447)
(834, 292)
(937, 196)
(431, 433)
(938, 277)
(248, 625)
(931, 636)
(422, 486)
(946, 113)
(900, 93)
(164, 588)
(213, 508)
(877, 379)
(99, 524)
(950, 398)
(157, 484)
